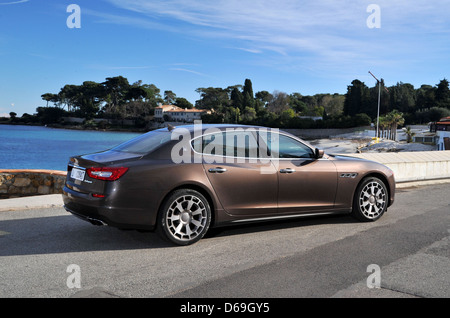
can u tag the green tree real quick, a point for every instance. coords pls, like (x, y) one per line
(49, 97)
(68, 96)
(356, 99)
(215, 98)
(90, 98)
(183, 103)
(336, 106)
(443, 94)
(262, 98)
(249, 115)
(232, 115)
(152, 93)
(236, 98)
(297, 104)
(248, 97)
(279, 102)
(311, 103)
(248, 88)
(286, 116)
(116, 90)
(49, 115)
(403, 97)
(136, 92)
(169, 97)
(425, 97)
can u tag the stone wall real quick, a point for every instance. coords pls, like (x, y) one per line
(20, 183)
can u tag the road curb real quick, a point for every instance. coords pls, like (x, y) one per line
(411, 184)
(33, 202)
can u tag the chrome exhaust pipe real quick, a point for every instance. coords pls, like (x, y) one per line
(96, 222)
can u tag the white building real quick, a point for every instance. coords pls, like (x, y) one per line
(161, 109)
(442, 129)
(175, 113)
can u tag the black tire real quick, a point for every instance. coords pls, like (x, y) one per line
(371, 200)
(184, 217)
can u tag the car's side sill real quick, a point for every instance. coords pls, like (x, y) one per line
(281, 217)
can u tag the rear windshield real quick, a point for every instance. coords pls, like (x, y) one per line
(145, 143)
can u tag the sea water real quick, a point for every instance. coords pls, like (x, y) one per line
(36, 147)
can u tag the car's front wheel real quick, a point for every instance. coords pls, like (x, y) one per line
(371, 200)
(184, 217)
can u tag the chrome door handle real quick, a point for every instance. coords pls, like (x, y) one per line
(217, 170)
(288, 170)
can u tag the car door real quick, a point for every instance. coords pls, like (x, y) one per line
(306, 183)
(244, 185)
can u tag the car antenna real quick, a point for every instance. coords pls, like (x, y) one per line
(170, 127)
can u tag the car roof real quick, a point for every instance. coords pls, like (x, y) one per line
(195, 129)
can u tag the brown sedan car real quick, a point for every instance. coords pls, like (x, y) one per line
(183, 181)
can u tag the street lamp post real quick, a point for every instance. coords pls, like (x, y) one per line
(379, 102)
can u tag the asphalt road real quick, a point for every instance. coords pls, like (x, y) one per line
(50, 253)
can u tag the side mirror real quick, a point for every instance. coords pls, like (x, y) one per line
(319, 153)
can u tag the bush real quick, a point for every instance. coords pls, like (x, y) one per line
(50, 115)
(362, 120)
(431, 115)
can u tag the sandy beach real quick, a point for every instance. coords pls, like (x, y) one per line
(362, 142)
(346, 146)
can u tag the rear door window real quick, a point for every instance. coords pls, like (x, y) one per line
(238, 144)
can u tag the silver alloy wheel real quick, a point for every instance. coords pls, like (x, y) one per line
(186, 217)
(372, 200)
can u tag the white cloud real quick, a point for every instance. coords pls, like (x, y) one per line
(178, 69)
(112, 68)
(285, 26)
(145, 23)
(2, 3)
(289, 24)
(327, 34)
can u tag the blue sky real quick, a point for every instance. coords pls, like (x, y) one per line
(308, 47)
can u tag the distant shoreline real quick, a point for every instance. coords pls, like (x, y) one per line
(79, 127)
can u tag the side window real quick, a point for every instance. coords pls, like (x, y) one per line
(241, 144)
(286, 147)
(209, 144)
(233, 143)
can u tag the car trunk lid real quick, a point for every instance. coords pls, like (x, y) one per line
(78, 178)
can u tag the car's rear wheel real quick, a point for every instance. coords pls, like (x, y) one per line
(184, 217)
(371, 200)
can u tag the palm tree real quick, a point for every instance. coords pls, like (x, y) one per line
(409, 134)
(395, 119)
(383, 125)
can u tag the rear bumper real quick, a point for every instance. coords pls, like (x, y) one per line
(101, 211)
(86, 218)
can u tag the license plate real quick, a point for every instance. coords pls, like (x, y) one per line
(78, 174)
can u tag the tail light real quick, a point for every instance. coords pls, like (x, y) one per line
(106, 173)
